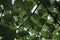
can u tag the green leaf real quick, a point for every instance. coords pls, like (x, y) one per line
(51, 27)
(56, 34)
(22, 13)
(37, 28)
(34, 20)
(23, 5)
(28, 5)
(44, 31)
(8, 18)
(22, 34)
(15, 12)
(19, 4)
(51, 20)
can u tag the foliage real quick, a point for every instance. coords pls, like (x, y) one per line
(17, 21)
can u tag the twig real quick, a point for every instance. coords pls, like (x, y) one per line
(38, 3)
(55, 20)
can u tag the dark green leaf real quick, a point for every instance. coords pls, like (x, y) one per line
(6, 32)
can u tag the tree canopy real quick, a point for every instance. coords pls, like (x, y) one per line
(29, 19)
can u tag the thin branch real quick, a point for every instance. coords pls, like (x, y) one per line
(38, 3)
(55, 20)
